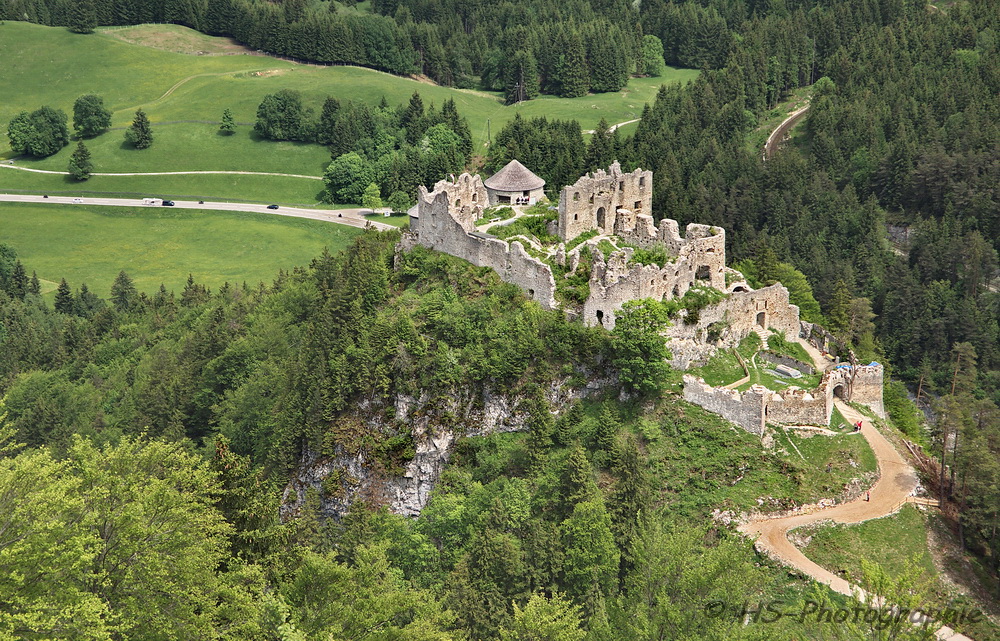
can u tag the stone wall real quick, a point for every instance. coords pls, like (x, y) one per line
(792, 406)
(764, 308)
(781, 359)
(594, 201)
(467, 197)
(758, 406)
(819, 337)
(699, 258)
(866, 388)
(737, 316)
(798, 407)
(746, 409)
(438, 224)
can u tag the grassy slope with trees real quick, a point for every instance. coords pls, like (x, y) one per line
(596, 520)
(904, 128)
(118, 72)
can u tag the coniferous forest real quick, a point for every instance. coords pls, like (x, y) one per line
(146, 438)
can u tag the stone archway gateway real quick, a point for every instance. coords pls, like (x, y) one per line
(762, 319)
(839, 391)
(601, 218)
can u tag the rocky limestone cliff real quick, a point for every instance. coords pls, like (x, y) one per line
(435, 424)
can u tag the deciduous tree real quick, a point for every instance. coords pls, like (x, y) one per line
(41, 133)
(640, 350)
(90, 117)
(372, 198)
(398, 202)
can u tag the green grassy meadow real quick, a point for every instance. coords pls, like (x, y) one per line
(50, 66)
(91, 244)
(892, 542)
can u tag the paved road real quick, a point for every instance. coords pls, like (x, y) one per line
(779, 133)
(349, 217)
(7, 165)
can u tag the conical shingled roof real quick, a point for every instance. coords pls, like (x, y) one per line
(514, 177)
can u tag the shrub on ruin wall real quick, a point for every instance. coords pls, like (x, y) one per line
(531, 226)
(655, 255)
(574, 288)
(694, 300)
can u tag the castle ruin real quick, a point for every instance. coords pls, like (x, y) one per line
(614, 208)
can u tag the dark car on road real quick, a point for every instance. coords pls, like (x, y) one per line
(272, 206)
(168, 203)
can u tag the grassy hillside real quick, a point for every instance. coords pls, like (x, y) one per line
(40, 69)
(50, 66)
(92, 244)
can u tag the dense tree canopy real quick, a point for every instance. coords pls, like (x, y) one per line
(40, 133)
(90, 116)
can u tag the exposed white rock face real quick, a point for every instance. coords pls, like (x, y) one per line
(342, 479)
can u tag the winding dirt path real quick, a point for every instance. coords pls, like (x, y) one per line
(612, 128)
(897, 480)
(896, 483)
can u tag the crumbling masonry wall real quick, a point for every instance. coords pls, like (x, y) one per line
(699, 258)
(441, 225)
(792, 406)
(861, 384)
(798, 407)
(746, 409)
(594, 201)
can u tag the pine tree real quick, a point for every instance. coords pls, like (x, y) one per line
(140, 134)
(573, 75)
(521, 77)
(840, 307)
(82, 16)
(123, 293)
(87, 302)
(19, 281)
(64, 298)
(457, 124)
(228, 125)
(607, 428)
(328, 121)
(577, 481)
(412, 119)
(767, 267)
(34, 286)
(601, 150)
(80, 164)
